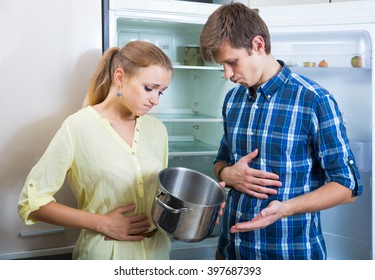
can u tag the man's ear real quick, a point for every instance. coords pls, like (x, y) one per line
(258, 44)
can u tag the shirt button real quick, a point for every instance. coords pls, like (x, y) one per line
(351, 161)
(268, 96)
(251, 133)
(255, 106)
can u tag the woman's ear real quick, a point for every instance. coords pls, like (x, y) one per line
(119, 76)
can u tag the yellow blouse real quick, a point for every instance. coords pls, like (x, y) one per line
(104, 173)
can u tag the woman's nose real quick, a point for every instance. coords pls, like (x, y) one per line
(154, 99)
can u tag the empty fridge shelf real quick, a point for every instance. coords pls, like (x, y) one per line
(186, 118)
(188, 148)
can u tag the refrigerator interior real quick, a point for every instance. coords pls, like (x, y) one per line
(191, 107)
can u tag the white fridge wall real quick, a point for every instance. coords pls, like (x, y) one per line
(49, 50)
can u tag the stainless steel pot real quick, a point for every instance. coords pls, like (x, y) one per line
(186, 204)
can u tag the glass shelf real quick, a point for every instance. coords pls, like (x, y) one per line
(204, 67)
(189, 148)
(348, 67)
(337, 48)
(331, 70)
(186, 118)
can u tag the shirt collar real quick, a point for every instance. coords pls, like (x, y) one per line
(269, 88)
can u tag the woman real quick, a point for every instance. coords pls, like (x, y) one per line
(111, 152)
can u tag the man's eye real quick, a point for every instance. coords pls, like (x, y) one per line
(161, 93)
(148, 89)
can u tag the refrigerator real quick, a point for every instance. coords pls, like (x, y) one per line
(49, 50)
(302, 36)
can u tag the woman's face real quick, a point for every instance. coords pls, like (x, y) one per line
(142, 91)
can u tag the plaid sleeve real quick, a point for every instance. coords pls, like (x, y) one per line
(332, 145)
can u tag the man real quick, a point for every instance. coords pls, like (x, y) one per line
(284, 154)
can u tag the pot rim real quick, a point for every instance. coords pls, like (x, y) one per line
(192, 203)
(163, 190)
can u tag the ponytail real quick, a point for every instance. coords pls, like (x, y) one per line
(102, 79)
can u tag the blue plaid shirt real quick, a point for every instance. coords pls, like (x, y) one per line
(298, 128)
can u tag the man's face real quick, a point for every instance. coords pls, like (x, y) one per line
(239, 66)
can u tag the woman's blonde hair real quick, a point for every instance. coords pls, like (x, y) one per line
(133, 56)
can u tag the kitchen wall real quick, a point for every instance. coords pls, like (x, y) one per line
(47, 54)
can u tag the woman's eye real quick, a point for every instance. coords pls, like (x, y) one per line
(160, 93)
(148, 89)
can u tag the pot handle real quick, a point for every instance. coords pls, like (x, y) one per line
(173, 210)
